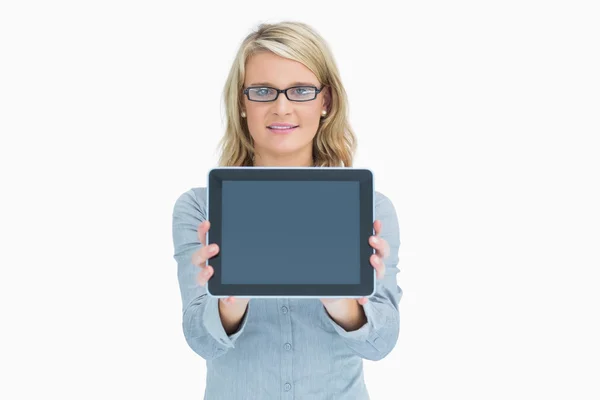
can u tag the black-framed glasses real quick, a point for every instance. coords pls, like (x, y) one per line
(294, 93)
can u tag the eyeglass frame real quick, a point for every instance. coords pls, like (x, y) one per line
(284, 91)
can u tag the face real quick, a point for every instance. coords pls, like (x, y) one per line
(275, 147)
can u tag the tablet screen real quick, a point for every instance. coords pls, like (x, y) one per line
(290, 232)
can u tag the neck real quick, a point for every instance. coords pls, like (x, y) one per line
(283, 161)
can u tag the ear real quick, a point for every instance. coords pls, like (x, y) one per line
(327, 98)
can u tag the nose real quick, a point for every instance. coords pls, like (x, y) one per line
(282, 105)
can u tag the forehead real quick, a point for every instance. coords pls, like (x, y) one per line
(268, 68)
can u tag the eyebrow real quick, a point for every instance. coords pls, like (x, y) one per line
(293, 84)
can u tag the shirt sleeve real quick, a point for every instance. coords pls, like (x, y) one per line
(378, 336)
(202, 326)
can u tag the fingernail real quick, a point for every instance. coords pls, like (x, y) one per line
(375, 240)
(212, 248)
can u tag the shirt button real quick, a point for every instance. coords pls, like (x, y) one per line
(284, 309)
(287, 387)
(287, 346)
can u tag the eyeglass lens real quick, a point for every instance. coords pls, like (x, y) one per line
(298, 93)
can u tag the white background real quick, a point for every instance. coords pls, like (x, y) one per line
(480, 120)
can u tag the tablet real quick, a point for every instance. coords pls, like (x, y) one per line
(291, 232)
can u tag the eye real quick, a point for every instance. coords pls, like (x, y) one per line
(301, 90)
(262, 91)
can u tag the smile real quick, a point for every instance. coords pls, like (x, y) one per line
(282, 129)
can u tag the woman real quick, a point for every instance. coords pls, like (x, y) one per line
(284, 78)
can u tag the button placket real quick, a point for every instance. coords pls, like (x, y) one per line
(284, 311)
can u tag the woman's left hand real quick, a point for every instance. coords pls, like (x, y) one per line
(377, 261)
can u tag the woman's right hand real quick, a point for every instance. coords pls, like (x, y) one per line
(199, 259)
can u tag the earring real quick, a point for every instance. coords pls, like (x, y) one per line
(243, 114)
(323, 113)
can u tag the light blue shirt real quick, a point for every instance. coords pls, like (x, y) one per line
(284, 348)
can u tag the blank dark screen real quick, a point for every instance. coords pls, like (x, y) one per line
(290, 232)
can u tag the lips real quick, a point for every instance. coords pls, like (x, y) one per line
(282, 126)
(282, 129)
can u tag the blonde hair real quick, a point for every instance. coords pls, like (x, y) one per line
(334, 143)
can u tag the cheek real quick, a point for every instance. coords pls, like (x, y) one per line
(310, 118)
(255, 121)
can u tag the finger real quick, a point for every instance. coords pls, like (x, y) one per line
(381, 269)
(378, 243)
(202, 229)
(363, 300)
(386, 249)
(204, 253)
(381, 245)
(198, 258)
(377, 227)
(228, 300)
(204, 275)
(379, 266)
